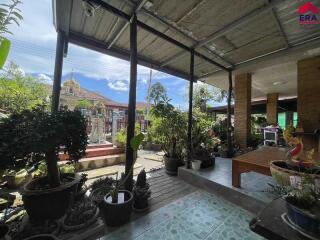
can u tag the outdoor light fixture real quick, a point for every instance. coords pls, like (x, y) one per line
(279, 83)
(89, 8)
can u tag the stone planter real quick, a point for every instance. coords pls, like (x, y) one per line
(281, 173)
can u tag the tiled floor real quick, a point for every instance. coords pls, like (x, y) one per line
(252, 184)
(199, 215)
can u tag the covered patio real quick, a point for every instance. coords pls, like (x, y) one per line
(253, 49)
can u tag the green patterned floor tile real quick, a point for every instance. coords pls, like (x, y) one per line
(197, 216)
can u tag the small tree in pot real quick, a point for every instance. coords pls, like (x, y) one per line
(172, 131)
(38, 135)
(202, 142)
(141, 192)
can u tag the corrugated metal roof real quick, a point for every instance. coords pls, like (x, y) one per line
(191, 22)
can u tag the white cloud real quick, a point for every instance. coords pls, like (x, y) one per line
(45, 78)
(33, 49)
(119, 85)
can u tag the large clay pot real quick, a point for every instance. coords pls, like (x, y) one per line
(51, 203)
(117, 214)
(281, 173)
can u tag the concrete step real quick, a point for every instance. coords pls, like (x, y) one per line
(105, 145)
(95, 152)
(110, 171)
(98, 162)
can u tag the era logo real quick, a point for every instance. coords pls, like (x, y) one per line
(307, 14)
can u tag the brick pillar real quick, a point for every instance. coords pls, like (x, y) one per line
(242, 109)
(272, 108)
(309, 98)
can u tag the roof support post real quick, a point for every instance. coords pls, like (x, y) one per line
(60, 48)
(132, 102)
(190, 109)
(229, 127)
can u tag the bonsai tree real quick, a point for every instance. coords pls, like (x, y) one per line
(171, 128)
(33, 135)
(141, 192)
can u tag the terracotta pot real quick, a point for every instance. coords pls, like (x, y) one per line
(281, 173)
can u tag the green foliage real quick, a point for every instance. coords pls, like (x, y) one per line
(220, 130)
(19, 92)
(203, 94)
(4, 50)
(9, 13)
(203, 143)
(305, 195)
(121, 136)
(83, 104)
(33, 135)
(157, 92)
(136, 141)
(170, 128)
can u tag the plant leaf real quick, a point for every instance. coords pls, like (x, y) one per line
(136, 141)
(4, 51)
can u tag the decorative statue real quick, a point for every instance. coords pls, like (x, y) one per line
(98, 131)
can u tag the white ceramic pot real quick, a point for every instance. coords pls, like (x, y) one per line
(196, 164)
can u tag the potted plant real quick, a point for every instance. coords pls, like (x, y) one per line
(141, 192)
(302, 199)
(34, 135)
(81, 214)
(171, 132)
(203, 143)
(99, 188)
(117, 204)
(299, 162)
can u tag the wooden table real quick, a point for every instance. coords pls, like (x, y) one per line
(255, 161)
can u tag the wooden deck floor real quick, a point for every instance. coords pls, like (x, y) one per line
(164, 190)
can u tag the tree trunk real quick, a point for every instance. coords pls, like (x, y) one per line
(53, 170)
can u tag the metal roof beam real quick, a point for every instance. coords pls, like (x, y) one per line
(121, 31)
(168, 24)
(307, 43)
(280, 28)
(146, 27)
(266, 7)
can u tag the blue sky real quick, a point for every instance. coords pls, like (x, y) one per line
(33, 49)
